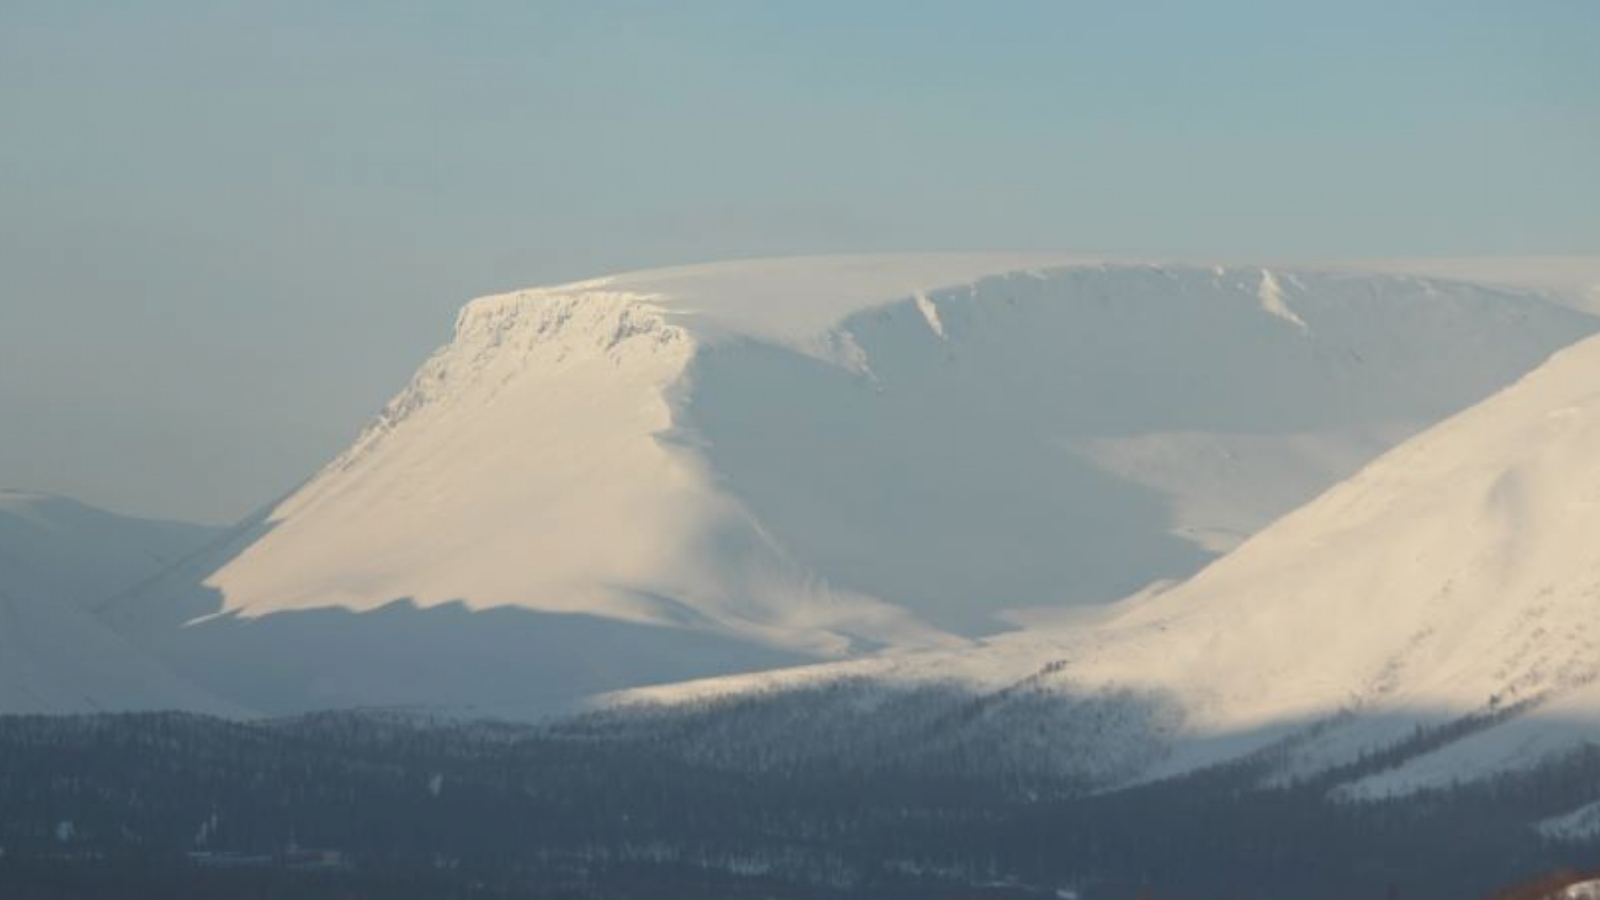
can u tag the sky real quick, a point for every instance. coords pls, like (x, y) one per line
(230, 231)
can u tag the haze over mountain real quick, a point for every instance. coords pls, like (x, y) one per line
(55, 546)
(713, 469)
(58, 558)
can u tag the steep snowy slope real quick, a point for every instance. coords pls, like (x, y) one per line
(1459, 575)
(809, 458)
(57, 557)
(1454, 580)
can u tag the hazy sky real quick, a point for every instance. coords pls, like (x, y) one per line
(229, 231)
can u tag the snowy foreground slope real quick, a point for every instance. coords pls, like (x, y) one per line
(1453, 582)
(58, 558)
(714, 469)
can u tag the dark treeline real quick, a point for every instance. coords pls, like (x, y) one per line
(351, 806)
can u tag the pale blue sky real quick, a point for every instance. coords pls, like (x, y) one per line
(228, 231)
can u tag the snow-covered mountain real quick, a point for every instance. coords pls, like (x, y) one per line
(714, 469)
(1439, 606)
(58, 558)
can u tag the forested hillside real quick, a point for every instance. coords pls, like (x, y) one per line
(396, 806)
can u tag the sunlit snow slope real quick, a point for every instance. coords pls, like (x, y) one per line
(810, 458)
(1454, 581)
